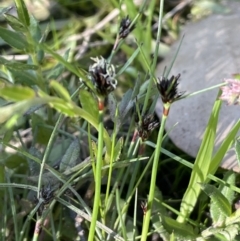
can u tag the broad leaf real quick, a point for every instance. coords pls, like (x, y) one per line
(118, 149)
(112, 104)
(16, 93)
(89, 103)
(218, 218)
(17, 65)
(14, 39)
(41, 132)
(60, 90)
(15, 161)
(11, 113)
(70, 157)
(23, 76)
(180, 230)
(66, 108)
(8, 135)
(223, 205)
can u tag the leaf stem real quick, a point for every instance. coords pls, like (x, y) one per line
(153, 179)
(98, 178)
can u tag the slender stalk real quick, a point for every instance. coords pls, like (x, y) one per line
(13, 207)
(153, 180)
(98, 178)
(29, 218)
(47, 151)
(124, 208)
(114, 136)
(123, 227)
(48, 148)
(153, 66)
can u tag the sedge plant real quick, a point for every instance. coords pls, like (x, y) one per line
(104, 175)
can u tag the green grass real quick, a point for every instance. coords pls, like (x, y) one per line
(83, 157)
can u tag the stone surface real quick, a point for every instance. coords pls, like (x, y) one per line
(209, 53)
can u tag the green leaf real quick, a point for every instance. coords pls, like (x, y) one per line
(2, 173)
(5, 10)
(237, 149)
(94, 149)
(59, 68)
(158, 211)
(236, 76)
(60, 90)
(37, 35)
(125, 106)
(12, 112)
(112, 104)
(23, 77)
(130, 60)
(89, 103)
(225, 146)
(33, 165)
(217, 217)
(35, 29)
(16, 93)
(201, 166)
(14, 23)
(70, 157)
(58, 150)
(66, 108)
(15, 161)
(69, 66)
(14, 39)
(41, 132)
(8, 135)
(229, 233)
(22, 12)
(180, 230)
(229, 178)
(17, 65)
(70, 109)
(136, 89)
(234, 218)
(118, 149)
(223, 205)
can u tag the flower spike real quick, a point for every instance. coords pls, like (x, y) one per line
(102, 74)
(168, 89)
(125, 27)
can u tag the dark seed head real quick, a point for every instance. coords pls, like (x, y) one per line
(125, 27)
(102, 75)
(147, 125)
(168, 89)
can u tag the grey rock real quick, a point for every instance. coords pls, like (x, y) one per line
(210, 52)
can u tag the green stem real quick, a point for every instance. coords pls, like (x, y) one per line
(153, 180)
(46, 154)
(98, 178)
(13, 207)
(48, 148)
(153, 66)
(114, 136)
